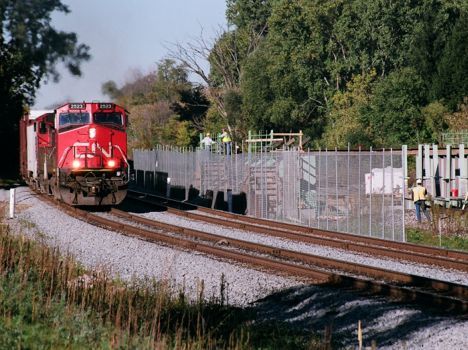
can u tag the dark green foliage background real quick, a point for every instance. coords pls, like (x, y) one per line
(30, 48)
(313, 49)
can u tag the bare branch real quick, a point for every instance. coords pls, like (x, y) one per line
(223, 57)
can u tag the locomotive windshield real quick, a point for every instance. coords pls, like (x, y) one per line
(113, 118)
(69, 120)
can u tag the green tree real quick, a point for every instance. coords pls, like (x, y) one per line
(458, 120)
(344, 125)
(292, 89)
(146, 123)
(314, 48)
(393, 116)
(177, 133)
(252, 14)
(257, 94)
(192, 105)
(248, 20)
(171, 80)
(450, 82)
(435, 119)
(30, 48)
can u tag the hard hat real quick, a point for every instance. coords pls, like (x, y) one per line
(419, 181)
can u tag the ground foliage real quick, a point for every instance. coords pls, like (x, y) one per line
(49, 301)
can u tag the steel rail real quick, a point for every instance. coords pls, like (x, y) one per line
(314, 260)
(367, 245)
(433, 293)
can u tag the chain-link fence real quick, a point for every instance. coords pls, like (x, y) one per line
(358, 192)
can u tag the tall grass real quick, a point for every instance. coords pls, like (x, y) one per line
(38, 284)
(49, 299)
(448, 229)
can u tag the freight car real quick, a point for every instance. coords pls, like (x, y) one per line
(78, 152)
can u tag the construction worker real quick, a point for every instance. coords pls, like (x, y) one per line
(419, 194)
(207, 141)
(227, 142)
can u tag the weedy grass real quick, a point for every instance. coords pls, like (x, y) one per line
(448, 229)
(429, 237)
(49, 301)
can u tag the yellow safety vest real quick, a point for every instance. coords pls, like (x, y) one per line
(226, 138)
(419, 193)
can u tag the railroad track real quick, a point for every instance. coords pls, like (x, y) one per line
(442, 295)
(371, 246)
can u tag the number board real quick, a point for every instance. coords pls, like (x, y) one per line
(106, 106)
(77, 105)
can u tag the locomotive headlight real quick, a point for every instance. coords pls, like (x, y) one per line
(92, 133)
(111, 163)
(76, 164)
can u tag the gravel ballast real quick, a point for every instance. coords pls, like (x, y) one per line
(390, 325)
(339, 254)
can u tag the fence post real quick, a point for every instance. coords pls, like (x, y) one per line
(336, 189)
(319, 194)
(463, 186)
(186, 160)
(393, 194)
(298, 169)
(404, 153)
(448, 171)
(359, 190)
(326, 187)
(12, 203)
(229, 199)
(309, 179)
(168, 188)
(370, 192)
(348, 201)
(419, 162)
(383, 192)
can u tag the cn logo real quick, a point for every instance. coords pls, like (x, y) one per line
(95, 146)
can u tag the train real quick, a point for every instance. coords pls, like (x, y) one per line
(77, 153)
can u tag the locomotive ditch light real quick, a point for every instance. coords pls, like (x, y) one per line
(92, 133)
(111, 163)
(76, 164)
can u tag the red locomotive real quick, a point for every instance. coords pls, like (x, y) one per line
(78, 152)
